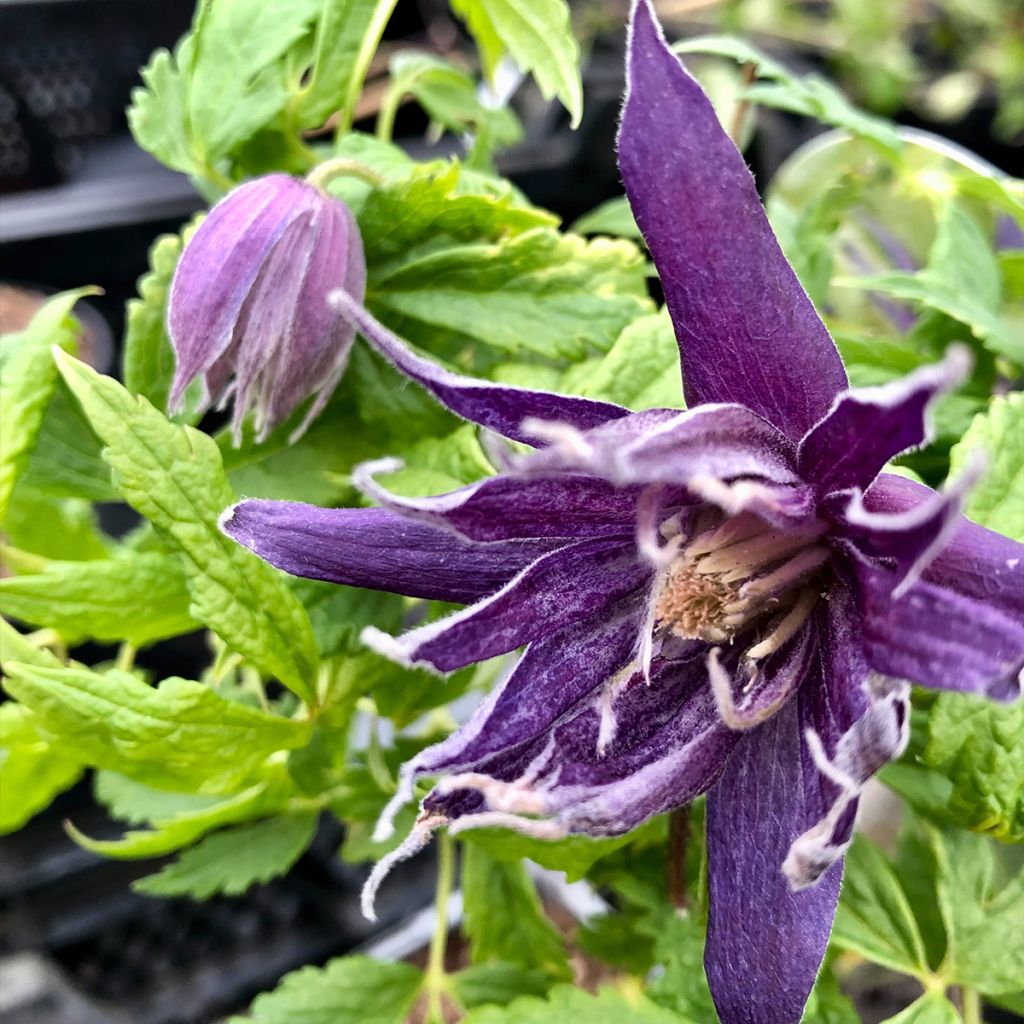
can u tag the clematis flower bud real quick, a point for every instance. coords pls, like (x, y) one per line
(248, 309)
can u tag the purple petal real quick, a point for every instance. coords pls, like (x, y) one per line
(911, 539)
(936, 637)
(508, 507)
(866, 427)
(975, 562)
(572, 582)
(498, 407)
(747, 331)
(377, 549)
(719, 442)
(765, 942)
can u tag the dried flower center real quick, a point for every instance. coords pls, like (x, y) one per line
(726, 577)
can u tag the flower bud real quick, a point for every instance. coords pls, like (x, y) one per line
(248, 309)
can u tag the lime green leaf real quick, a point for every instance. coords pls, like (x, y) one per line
(17, 648)
(539, 37)
(135, 597)
(641, 371)
(682, 985)
(27, 381)
(497, 984)
(985, 942)
(231, 861)
(612, 217)
(504, 919)
(565, 1004)
(179, 732)
(341, 29)
(933, 1008)
(175, 478)
(158, 114)
(827, 1004)
(875, 919)
(998, 500)
(54, 528)
(809, 95)
(33, 770)
(138, 804)
(488, 43)
(349, 990)
(148, 364)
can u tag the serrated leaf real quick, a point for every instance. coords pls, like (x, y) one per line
(681, 986)
(504, 919)
(997, 501)
(27, 381)
(488, 43)
(17, 648)
(158, 113)
(137, 804)
(174, 476)
(231, 861)
(179, 732)
(933, 1008)
(497, 984)
(349, 990)
(137, 597)
(148, 359)
(53, 527)
(875, 918)
(33, 770)
(565, 1003)
(641, 370)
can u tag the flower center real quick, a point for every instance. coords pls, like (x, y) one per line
(726, 577)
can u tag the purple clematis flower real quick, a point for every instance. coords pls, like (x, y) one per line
(729, 599)
(248, 308)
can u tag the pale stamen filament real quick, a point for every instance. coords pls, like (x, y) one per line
(800, 565)
(787, 627)
(738, 561)
(732, 531)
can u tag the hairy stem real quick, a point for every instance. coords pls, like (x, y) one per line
(435, 980)
(339, 167)
(678, 840)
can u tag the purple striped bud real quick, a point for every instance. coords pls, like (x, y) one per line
(248, 308)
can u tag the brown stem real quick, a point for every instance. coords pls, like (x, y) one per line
(739, 115)
(678, 839)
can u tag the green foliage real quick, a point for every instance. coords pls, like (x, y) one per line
(179, 732)
(612, 217)
(231, 861)
(496, 983)
(504, 916)
(933, 1008)
(998, 500)
(349, 990)
(33, 770)
(138, 597)
(568, 1004)
(679, 949)
(539, 38)
(27, 381)
(174, 477)
(48, 527)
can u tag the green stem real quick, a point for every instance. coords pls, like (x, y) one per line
(971, 999)
(435, 980)
(324, 173)
(388, 111)
(125, 657)
(371, 41)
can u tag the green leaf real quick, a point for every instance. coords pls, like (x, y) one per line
(504, 919)
(175, 478)
(975, 745)
(682, 986)
(612, 217)
(808, 95)
(827, 1004)
(135, 597)
(565, 1004)
(33, 770)
(180, 732)
(985, 942)
(349, 990)
(139, 804)
(497, 984)
(558, 296)
(998, 500)
(341, 29)
(933, 1008)
(875, 918)
(158, 113)
(231, 861)
(539, 37)
(641, 370)
(17, 648)
(53, 528)
(27, 381)
(489, 46)
(962, 280)
(148, 360)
